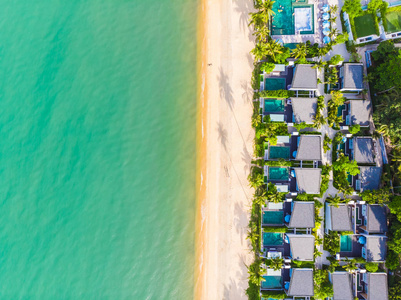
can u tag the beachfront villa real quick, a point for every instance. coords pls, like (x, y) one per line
(302, 246)
(306, 148)
(300, 284)
(303, 110)
(305, 80)
(308, 180)
(276, 109)
(355, 112)
(302, 217)
(338, 218)
(373, 218)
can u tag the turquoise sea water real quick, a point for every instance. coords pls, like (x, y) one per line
(97, 149)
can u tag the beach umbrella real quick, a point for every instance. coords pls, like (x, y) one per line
(326, 16)
(326, 31)
(326, 40)
(326, 8)
(326, 24)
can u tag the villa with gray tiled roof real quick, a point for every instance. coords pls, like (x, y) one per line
(356, 112)
(303, 109)
(302, 216)
(374, 286)
(338, 218)
(351, 77)
(302, 246)
(301, 283)
(342, 286)
(308, 148)
(308, 180)
(305, 78)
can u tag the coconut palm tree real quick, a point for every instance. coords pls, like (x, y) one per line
(259, 51)
(300, 51)
(261, 33)
(384, 130)
(272, 48)
(333, 33)
(276, 263)
(260, 198)
(265, 8)
(256, 20)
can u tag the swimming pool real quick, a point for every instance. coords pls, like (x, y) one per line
(274, 105)
(279, 152)
(277, 173)
(346, 243)
(291, 16)
(273, 217)
(272, 84)
(272, 282)
(272, 238)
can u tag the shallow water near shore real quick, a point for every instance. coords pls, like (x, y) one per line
(97, 149)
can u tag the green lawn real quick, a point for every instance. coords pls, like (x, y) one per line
(365, 25)
(393, 21)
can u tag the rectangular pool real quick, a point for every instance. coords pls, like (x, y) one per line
(279, 152)
(346, 243)
(273, 217)
(303, 17)
(272, 282)
(277, 173)
(274, 105)
(272, 84)
(272, 239)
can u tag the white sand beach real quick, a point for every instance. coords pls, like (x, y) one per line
(226, 150)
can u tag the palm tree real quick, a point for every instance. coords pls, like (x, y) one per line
(259, 51)
(260, 198)
(265, 8)
(351, 266)
(261, 33)
(272, 48)
(333, 33)
(276, 263)
(333, 9)
(300, 51)
(384, 130)
(256, 20)
(319, 65)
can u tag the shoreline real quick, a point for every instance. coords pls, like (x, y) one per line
(224, 144)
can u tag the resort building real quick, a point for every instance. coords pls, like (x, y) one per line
(308, 180)
(302, 246)
(367, 179)
(351, 77)
(342, 286)
(281, 178)
(307, 148)
(274, 279)
(305, 79)
(373, 247)
(373, 218)
(356, 112)
(373, 286)
(303, 110)
(273, 213)
(302, 216)
(339, 218)
(279, 79)
(301, 283)
(360, 149)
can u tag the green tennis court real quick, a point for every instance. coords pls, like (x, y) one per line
(277, 173)
(393, 21)
(365, 25)
(279, 152)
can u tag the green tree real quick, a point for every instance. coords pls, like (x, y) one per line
(255, 178)
(354, 129)
(353, 8)
(275, 263)
(259, 52)
(345, 165)
(331, 242)
(372, 267)
(336, 59)
(392, 260)
(273, 195)
(300, 51)
(394, 293)
(267, 67)
(273, 48)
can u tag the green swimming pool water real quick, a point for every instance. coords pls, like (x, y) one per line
(279, 152)
(274, 105)
(272, 238)
(346, 243)
(273, 217)
(272, 282)
(272, 84)
(277, 173)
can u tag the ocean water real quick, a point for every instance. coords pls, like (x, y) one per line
(97, 149)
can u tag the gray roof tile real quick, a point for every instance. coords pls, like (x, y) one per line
(341, 218)
(360, 112)
(342, 286)
(363, 150)
(353, 76)
(376, 219)
(303, 215)
(304, 109)
(301, 283)
(302, 246)
(308, 180)
(370, 177)
(375, 248)
(377, 289)
(310, 148)
(305, 78)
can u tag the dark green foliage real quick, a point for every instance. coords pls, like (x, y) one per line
(325, 179)
(267, 67)
(302, 264)
(326, 143)
(392, 260)
(255, 76)
(353, 8)
(331, 242)
(322, 285)
(279, 163)
(302, 125)
(381, 196)
(255, 177)
(336, 59)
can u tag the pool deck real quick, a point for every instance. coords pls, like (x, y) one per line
(285, 276)
(356, 249)
(317, 37)
(287, 75)
(287, 112)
